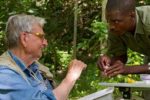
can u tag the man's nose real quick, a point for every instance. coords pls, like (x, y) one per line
(111, 27)
(45, 43)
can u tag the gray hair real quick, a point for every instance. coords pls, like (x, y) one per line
(20, 23)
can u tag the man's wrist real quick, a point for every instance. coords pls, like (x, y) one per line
(126, 70)
(70, 79)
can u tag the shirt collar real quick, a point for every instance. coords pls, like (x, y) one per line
(21, 64)
(139, 26)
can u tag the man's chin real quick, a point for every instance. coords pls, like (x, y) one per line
(118, 33)
(38, 56)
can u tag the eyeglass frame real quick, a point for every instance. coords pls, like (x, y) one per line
(37, 34)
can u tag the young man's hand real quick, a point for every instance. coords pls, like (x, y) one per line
(103, 62)
(117, 68)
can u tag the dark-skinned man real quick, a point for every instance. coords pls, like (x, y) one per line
(129, 27)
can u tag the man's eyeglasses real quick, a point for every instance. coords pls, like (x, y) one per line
(39, 35)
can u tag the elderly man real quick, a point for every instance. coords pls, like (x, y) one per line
(20, 72)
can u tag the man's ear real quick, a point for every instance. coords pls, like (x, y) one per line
(23, 39)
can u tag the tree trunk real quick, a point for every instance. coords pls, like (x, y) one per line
(103, 10)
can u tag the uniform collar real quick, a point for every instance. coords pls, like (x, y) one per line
(139, 25)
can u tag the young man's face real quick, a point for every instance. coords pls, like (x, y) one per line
(119, 23)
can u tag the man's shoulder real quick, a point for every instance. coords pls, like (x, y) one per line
(5, 70)
(143, 8)
(143, 13)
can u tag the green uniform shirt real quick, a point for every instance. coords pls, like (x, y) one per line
(139, 42)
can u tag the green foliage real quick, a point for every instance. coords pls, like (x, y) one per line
(2, 42)
(100, 30)
(65, 58)
(91, 37)
(96, 44)
(135, 58)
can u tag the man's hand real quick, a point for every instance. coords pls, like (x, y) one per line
(75, 69)
(103, 62)
(117, 68)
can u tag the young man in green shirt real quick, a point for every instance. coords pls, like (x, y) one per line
(129, 27)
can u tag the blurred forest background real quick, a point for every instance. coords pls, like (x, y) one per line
(64, 19)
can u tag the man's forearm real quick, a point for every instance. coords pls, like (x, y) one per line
(141, 69)
(63, 90)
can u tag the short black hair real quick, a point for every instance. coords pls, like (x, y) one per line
(121, 5)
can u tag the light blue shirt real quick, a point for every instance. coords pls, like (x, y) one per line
(14, 87)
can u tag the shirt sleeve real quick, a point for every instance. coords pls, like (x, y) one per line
(14, 87)
(116, 46)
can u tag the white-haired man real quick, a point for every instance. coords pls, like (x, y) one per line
(21, 73)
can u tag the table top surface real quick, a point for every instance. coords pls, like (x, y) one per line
(138, 84)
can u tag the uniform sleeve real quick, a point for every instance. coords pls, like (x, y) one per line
(14, 87)
(116, 46)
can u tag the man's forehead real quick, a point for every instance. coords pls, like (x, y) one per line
(115, 14)
(114, 11)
